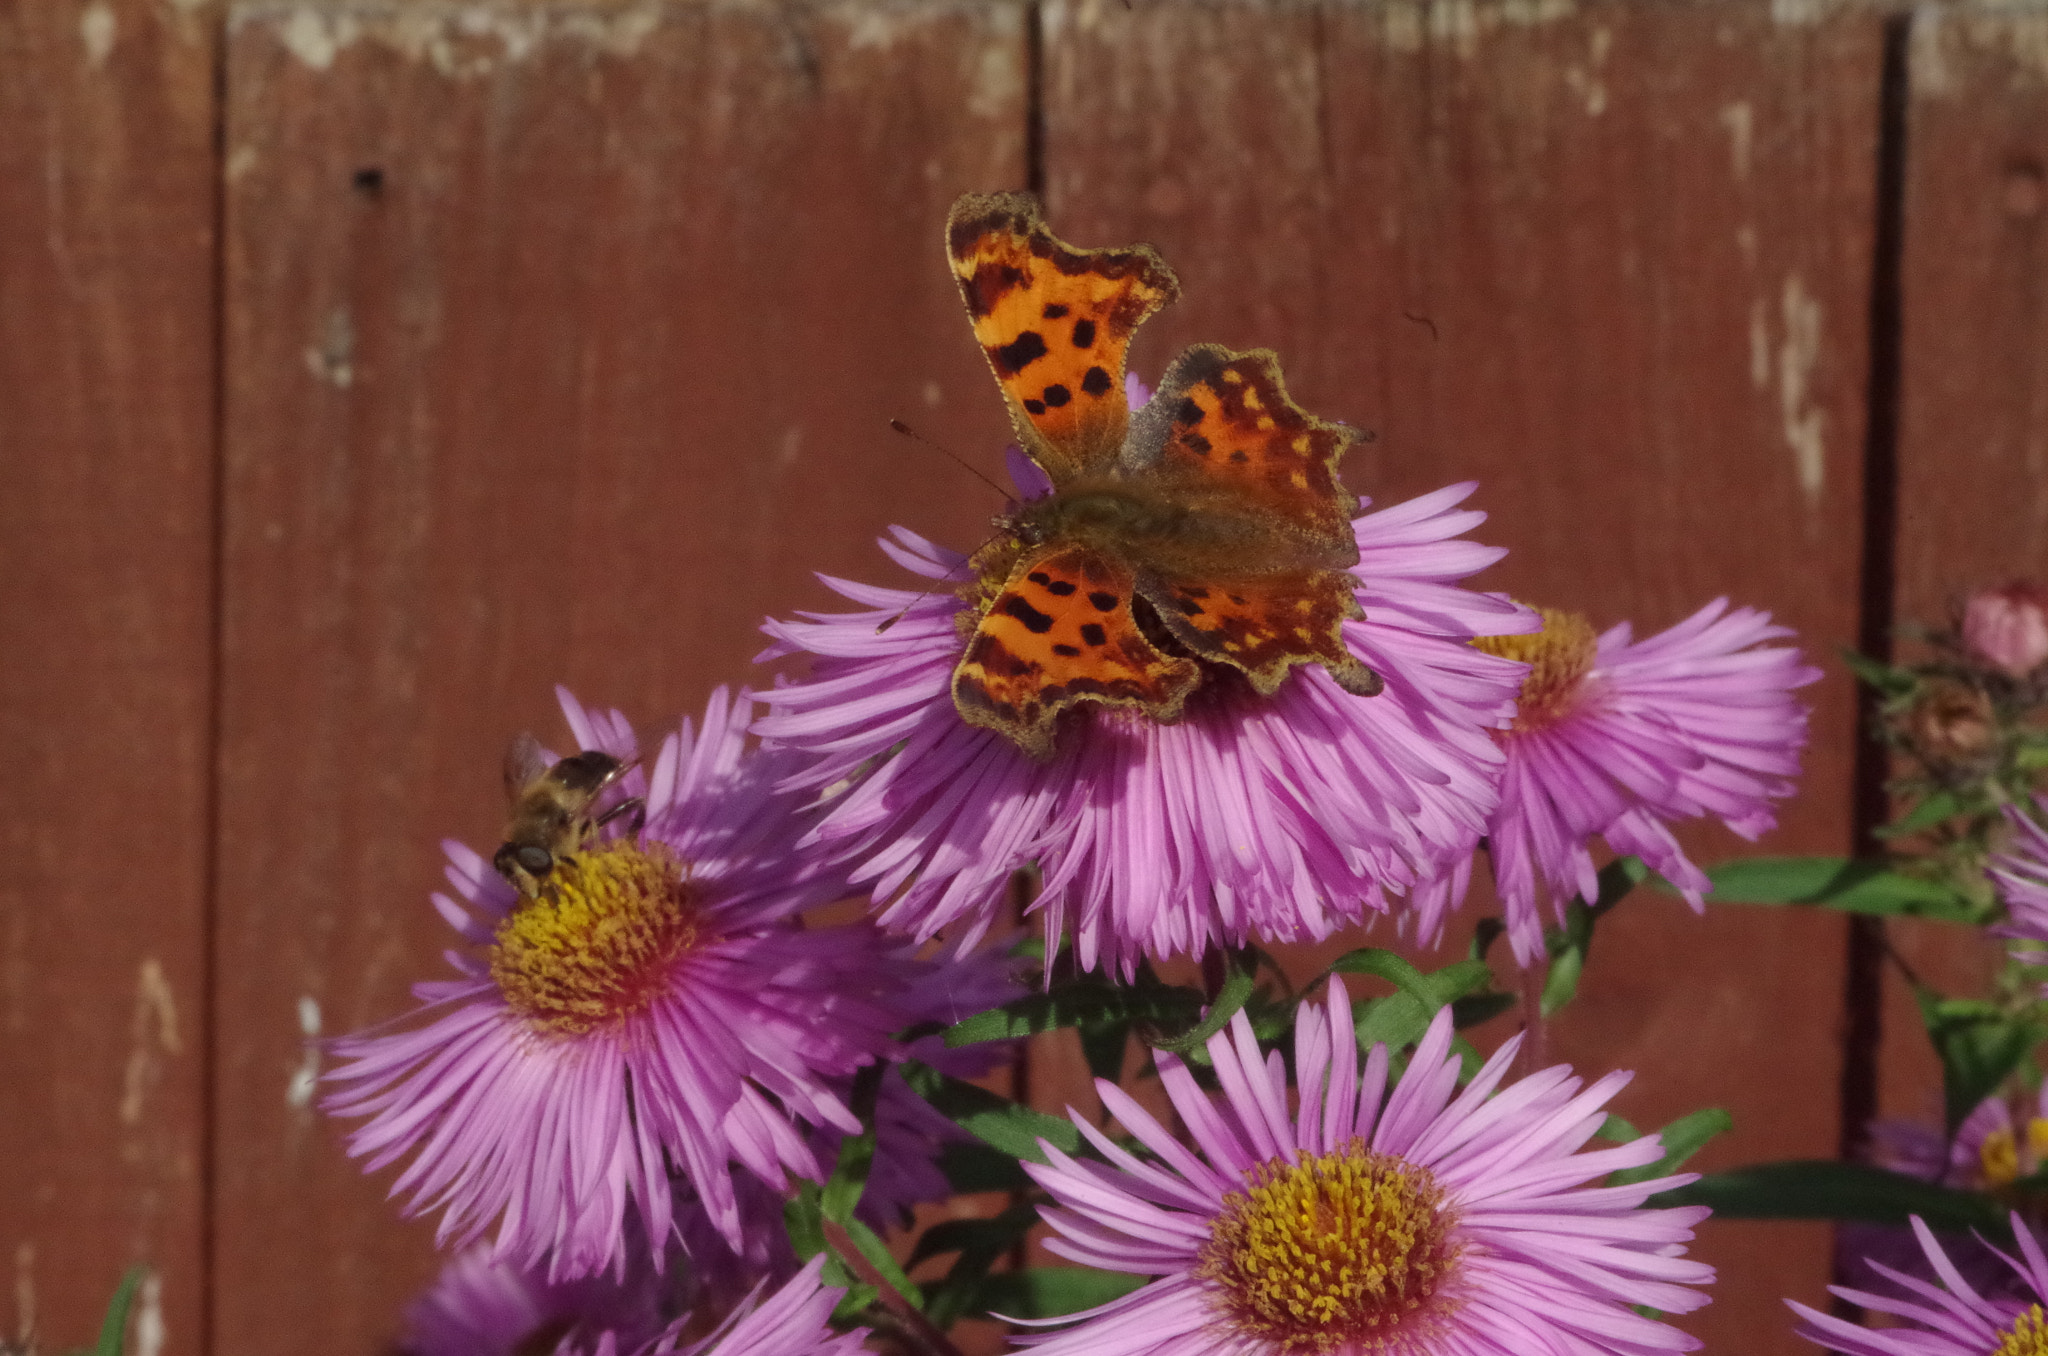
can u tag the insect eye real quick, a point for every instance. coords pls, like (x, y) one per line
(536, 860)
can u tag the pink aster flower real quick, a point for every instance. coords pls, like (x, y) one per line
(480, 1307)
(2021, 874)
(1282, 817)
(1405, 1219)
(1614, 738)
(664, 1013)
(1946, 1315)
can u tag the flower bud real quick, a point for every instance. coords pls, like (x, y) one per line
(2007, 628)
(1951, 726)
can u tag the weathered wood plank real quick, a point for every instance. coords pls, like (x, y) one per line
(1611, 260)
(1973, 394)
(562, 340)
(107, 440)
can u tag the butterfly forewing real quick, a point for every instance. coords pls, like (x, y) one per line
(1062, 631)
(1221, 423)
(1055, 322)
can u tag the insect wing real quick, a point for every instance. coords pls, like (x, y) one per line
(1055, 322)
(1062, 631)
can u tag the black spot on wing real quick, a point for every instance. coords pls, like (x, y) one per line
(1084, 334)
(1188, 413)
(1104, 602)
(1066, 651)
(1034, 621)
(1093, 633)
(1013, 357)
(1059, 588)
(1054, 310)
(1197, 444)
(1035, 406)
(1096, 382)
(989, 285)
(1056, 396)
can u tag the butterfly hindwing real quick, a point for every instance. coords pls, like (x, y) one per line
(1222, 423)
(1055, 322)
(1062, 631)
(1265, 626)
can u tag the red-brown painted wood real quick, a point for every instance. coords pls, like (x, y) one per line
(106, 540)
(1612, 262)
(562, 342)
(1973, 394)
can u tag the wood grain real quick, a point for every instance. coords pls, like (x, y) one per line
(1612, 262)
(562, 343)
(106, 554)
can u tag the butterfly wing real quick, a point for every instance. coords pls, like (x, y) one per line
(1062, 631)
(1055, 322)
(1222, 425)
(1265, 626)
(1222, 432)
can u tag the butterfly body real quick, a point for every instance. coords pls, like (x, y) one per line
(1205, 536)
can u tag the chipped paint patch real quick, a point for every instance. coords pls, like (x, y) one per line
(332, 360)
(1798, 358)
(24, 1294)
(1584, 81)
(153, 1036)
(1798, 13)
(1759, 346)
(997, 90)
(1407, 25)
(149, 1331)
(460, 41)
(298, 1094)
(97, 29)
(1740, 120)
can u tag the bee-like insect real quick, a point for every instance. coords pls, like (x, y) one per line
(550, 817)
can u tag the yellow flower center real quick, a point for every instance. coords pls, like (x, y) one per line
(1559, 658)
(2028, 1335)
(1336, 1249)
(602, 949)
(1999, 1156)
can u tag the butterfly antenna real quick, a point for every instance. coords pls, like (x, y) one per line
(934, 588)
(967, 466)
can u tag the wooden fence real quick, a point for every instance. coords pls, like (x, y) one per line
(367, 368)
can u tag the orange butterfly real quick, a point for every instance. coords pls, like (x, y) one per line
(1208, 534)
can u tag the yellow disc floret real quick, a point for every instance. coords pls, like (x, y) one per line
(2028, 1335)
(1999, 1155)
(602, 948)
(1559, 658)
(1338, 1249)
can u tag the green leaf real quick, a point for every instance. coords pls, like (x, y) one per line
(1480, 1007)
(1400, 1019)
(992, 1237)
(994, 1120)
(1844, 883)
(1236, 992)
(1979, 1045)
(114, 1327)
(1561, 982)
(856, 1152)
(1617, 879)
(1050, 1292)
(1940, 806)
(974, 1166)
(1682, 1139)
(877, 1253)
(1617, 1130)
(1825, 1189)
(1878, 674)
(981, 1243)
(1088, 1004)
